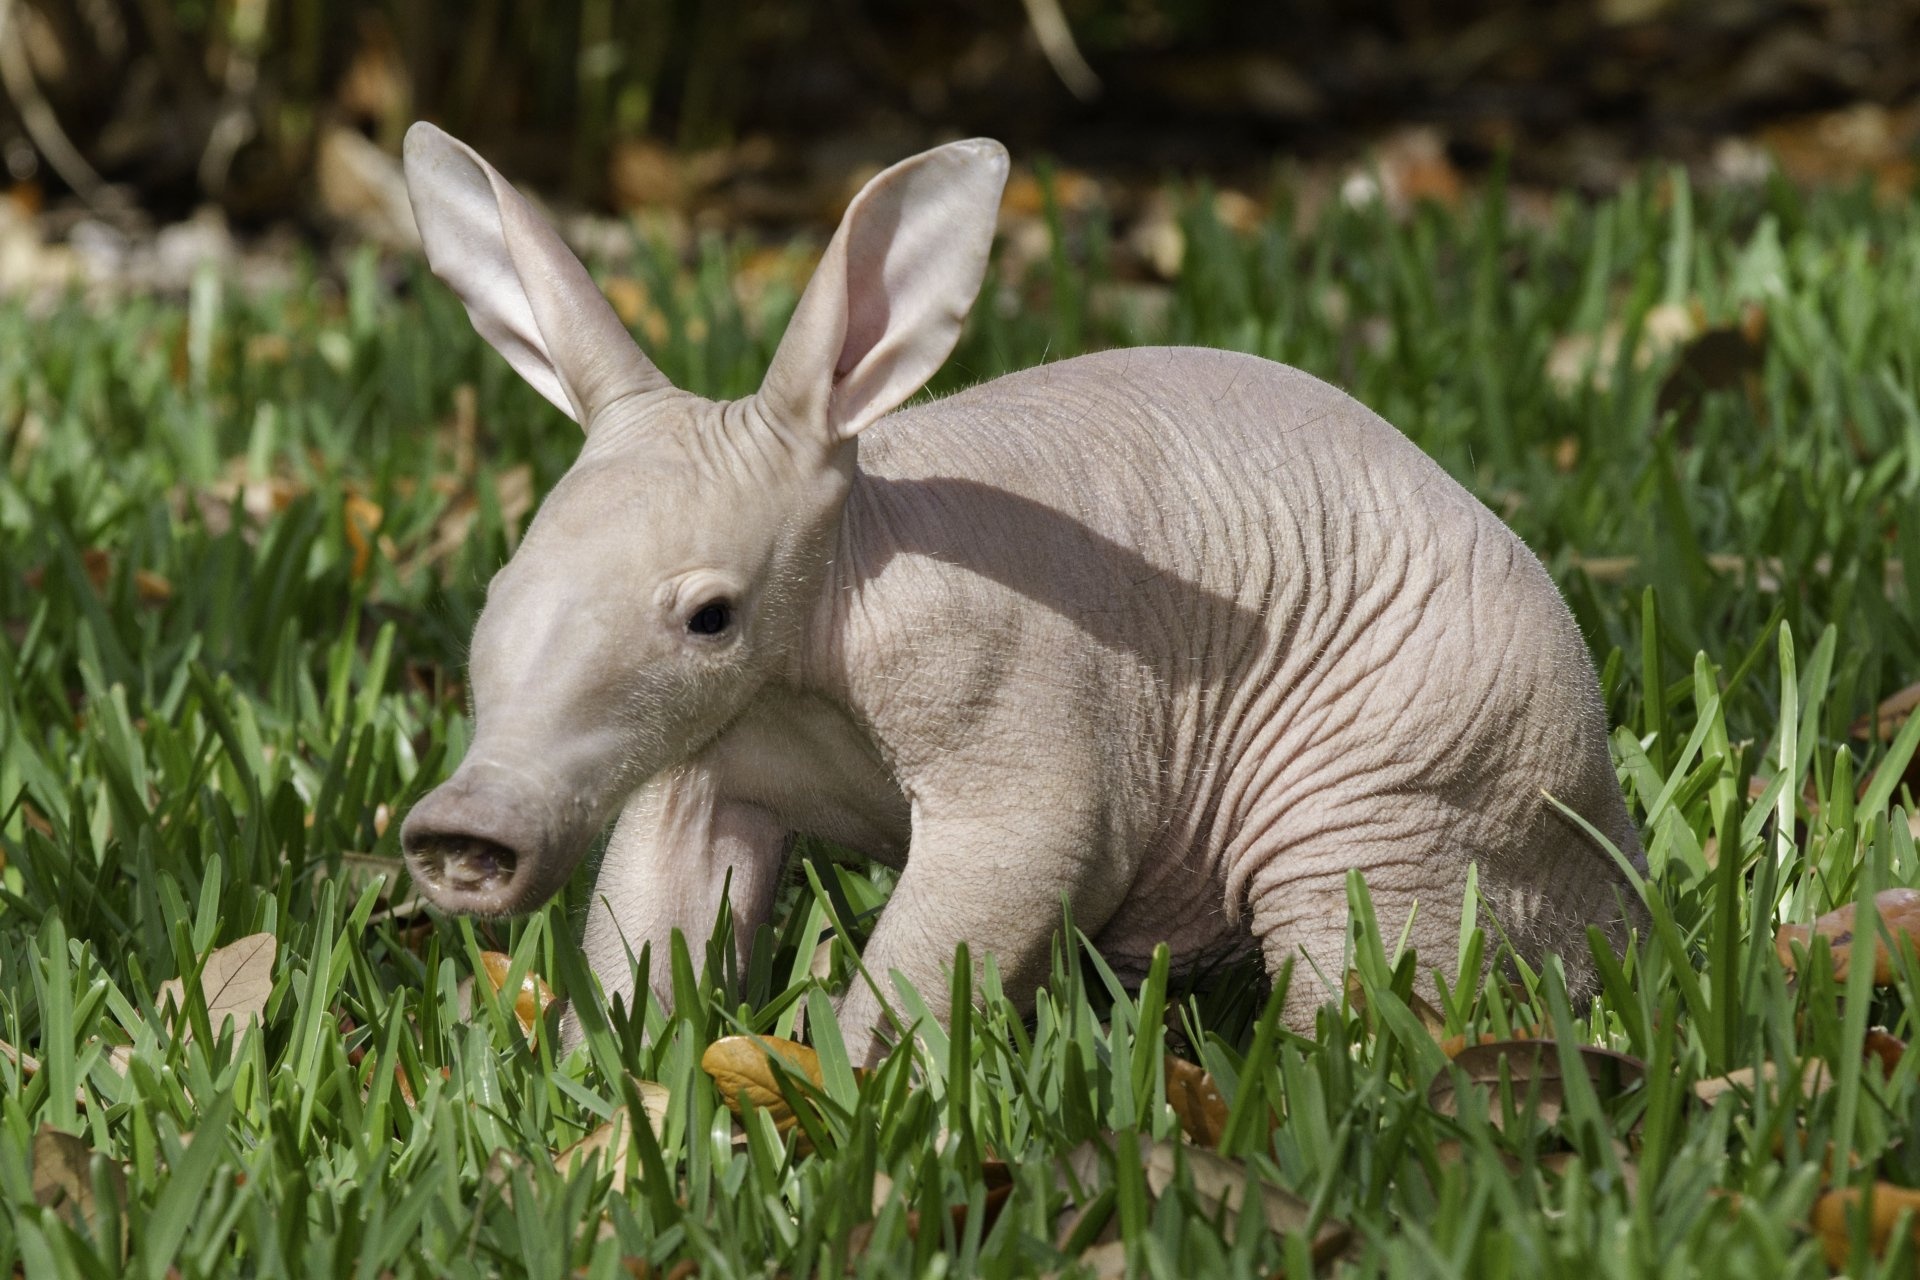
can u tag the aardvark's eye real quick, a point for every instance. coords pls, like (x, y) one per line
(711, 618)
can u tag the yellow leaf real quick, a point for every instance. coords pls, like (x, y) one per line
(739, 1067)
(1883, 1203)
(362, 518)
(530, 1001)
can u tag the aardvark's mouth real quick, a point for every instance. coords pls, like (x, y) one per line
(461, 864)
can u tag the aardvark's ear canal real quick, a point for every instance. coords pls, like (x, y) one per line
(886, 303)
(529, 297)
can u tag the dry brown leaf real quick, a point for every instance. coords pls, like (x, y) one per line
(641, 1269)
(1531, 1066)
(1899, 912)
(1196, 1101)
(530, 1001)
(260, 498)
(999, 1183)
(404, 1085)
(1106, 1260)
(361, 518)
(1885, 720)
(1884, 1047)
(1814, 1079)
(28, 1065)
(739, 1067)
(63, 1177)
(1430, 1017)
(611, 1140)
(150, 587)
(1575, 357)
(1076, 1173)
(1883, 1203)
(1842, 146)
(1453, 1045)
(1452, 1151)
(512, 491)
(236, 980)
(1218, 1183)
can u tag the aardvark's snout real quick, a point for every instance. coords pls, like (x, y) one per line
(456, 863)
(477, 845)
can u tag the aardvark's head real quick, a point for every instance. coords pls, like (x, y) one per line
(672, 571)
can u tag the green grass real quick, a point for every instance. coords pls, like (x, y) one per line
(179, 773)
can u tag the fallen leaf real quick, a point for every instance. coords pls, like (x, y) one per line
(994, 1173)
(1453, 1045)
(1196, 1101)
(150, 587)
(375, 88)
(1218, 1183)
(1593, 358)
(29, 1065)
(361, 518)
(1530, 1067)
(1106, 1260)
(1842, 146)
(1899, 912)
(360, 185)
(1883, 1202)
(63, 1177)
(1449, 1151)
(1884, 1047)
(641, 1269)
(236, 981)
(530, 1001)
(1885, 720)
(611, 1140)
(1813, 1079)
(404, 1085)
(1430, 1018)
(740, 1069)
(513, 492)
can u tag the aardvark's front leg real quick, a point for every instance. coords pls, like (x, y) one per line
(992, 878)
(666, 868)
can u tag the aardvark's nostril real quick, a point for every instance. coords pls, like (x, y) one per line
(468, 864)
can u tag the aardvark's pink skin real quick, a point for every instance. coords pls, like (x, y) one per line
(1183, 635)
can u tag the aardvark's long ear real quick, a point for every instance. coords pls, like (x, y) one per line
(529, 297)
(886, 303)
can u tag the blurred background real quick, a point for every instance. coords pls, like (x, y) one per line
(141, 136)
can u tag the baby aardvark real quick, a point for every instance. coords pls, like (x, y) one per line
(1181, 634)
